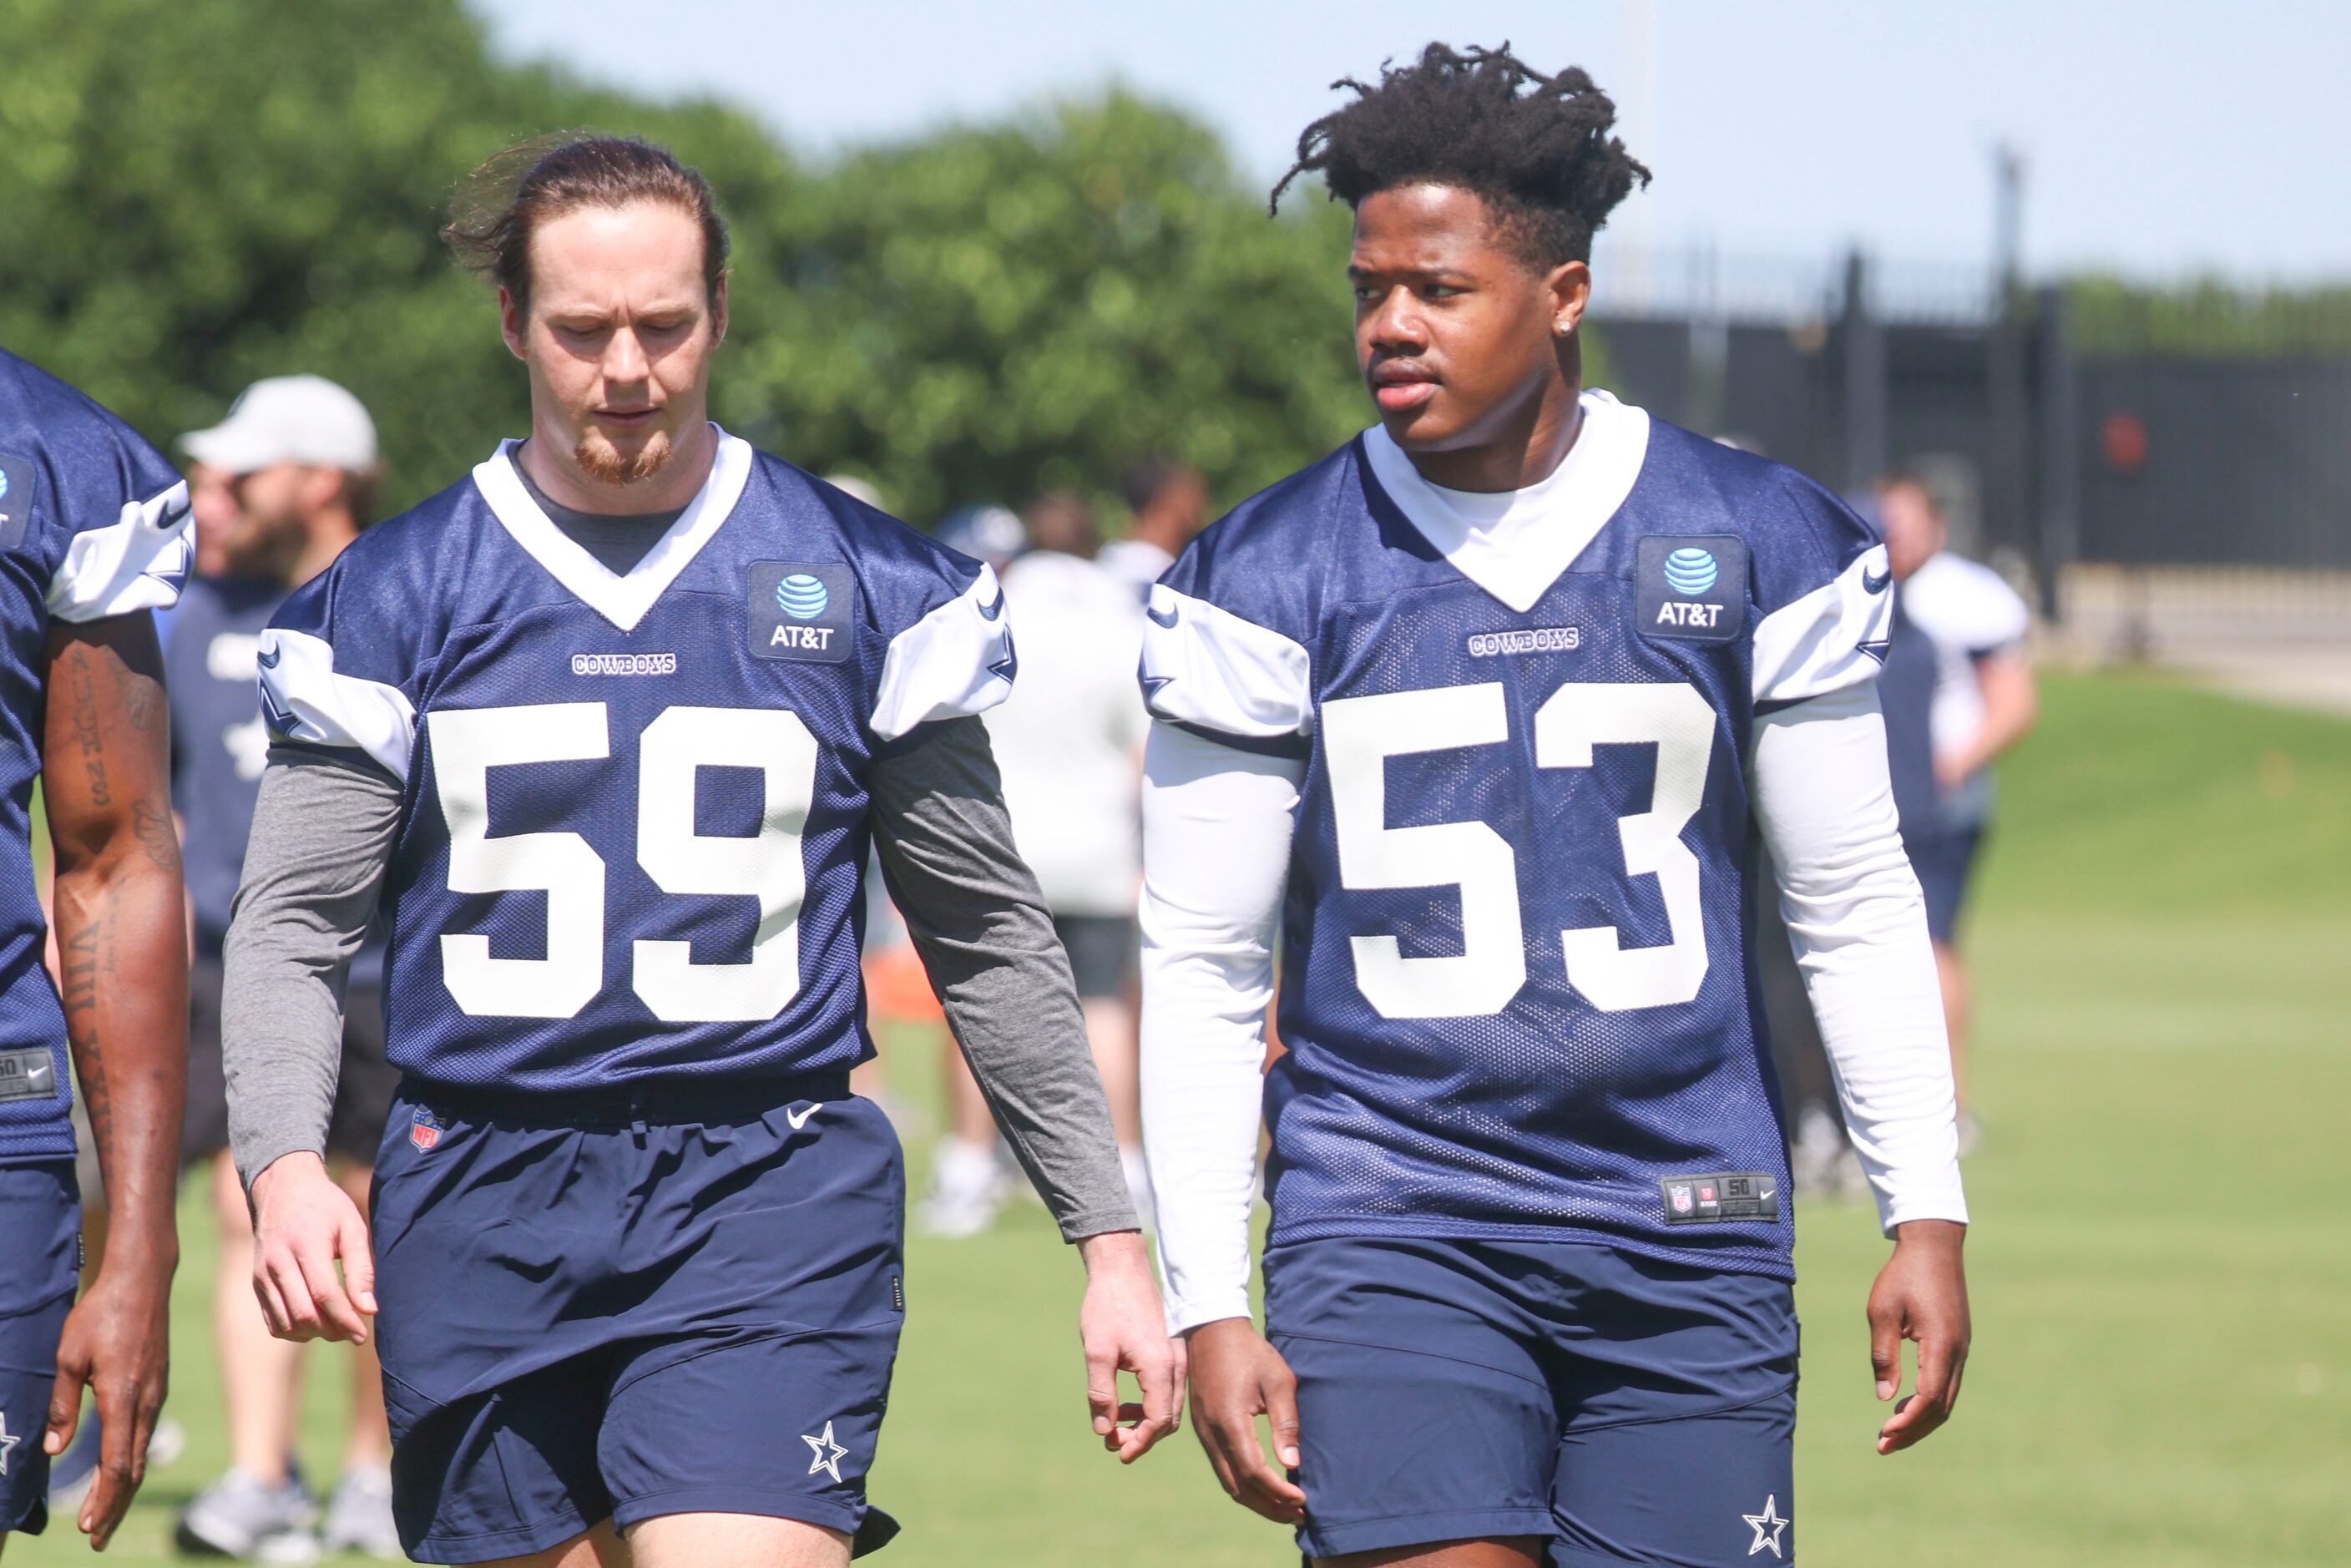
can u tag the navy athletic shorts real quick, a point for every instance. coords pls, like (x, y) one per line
(651, 1305)
(1621, 1410)
(1946, 862)
(40, 1240)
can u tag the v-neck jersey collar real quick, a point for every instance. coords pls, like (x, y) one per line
(1515, 544)
(621, 597)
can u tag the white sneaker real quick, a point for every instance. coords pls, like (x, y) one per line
(248, 1520)
(359, 1516)
(1820, 1144)
(967, 1186)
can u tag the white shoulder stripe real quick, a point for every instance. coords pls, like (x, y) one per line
(138, 563)
(1206, 666)
(954, 663)
(304, 699)
(1833, 637)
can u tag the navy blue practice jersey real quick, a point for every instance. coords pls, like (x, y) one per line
(1513, 982)
(93, 523)
(635, 819)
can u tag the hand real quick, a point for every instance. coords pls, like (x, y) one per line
(1921, 1295)
(1237, 1377)
(1124, 1327)
(302, 1224)
(1953, 768)
(117, 1343)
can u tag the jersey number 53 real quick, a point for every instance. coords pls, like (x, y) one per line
(1360, 734)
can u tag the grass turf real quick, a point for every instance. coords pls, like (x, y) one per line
(2161, 1254)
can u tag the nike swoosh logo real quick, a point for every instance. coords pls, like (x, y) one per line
(799, 1119)
(993, 609)
(267, 657)
(1877, 584)
(1167, 621)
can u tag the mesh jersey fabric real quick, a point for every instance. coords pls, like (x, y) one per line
(93, 523)
(1513, 979)
(633, 824)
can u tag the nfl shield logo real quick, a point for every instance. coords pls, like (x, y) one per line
(426, 1133)
(1682, 1198)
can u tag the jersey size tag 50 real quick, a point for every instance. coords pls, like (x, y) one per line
(27, 1074)
(1691, 588)
(1719, 1195)
(799, 611)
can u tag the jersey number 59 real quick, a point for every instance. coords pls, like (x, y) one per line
(1360, 734)
(466, 743)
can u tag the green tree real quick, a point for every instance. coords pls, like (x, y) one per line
(199, 195)
(995, 309)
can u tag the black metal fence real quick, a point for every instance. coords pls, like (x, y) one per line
(2054, 456)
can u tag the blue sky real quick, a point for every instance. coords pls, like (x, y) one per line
(2161, 137)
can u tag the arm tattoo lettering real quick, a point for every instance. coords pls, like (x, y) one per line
(81, 692)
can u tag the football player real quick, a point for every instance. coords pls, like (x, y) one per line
(608, 727)
(1478, 713)
(94, 536)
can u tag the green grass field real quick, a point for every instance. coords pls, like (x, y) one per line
(2161, 1261)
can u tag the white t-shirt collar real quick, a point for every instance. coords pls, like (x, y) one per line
(1515, 543)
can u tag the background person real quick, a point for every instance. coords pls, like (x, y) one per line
(1170, 504)
(1958, 691)
(296, 465)
(1069, 742)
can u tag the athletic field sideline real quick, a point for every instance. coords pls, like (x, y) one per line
(2162, 1368)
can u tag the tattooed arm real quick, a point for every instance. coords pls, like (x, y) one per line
(123, 964)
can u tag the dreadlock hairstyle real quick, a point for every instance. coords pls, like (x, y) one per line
(1540, 157)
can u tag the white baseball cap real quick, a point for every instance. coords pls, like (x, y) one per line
(289, 419)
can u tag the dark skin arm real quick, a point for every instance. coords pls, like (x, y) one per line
(123, 967)
(1921, 1295)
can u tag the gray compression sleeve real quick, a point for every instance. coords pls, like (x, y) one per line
(979, 923)
(322, 834)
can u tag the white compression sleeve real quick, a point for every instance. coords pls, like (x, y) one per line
(1858, 924)
(1216, 823)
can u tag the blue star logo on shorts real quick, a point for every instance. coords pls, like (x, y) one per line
(829, 1454)
(1767, 1525)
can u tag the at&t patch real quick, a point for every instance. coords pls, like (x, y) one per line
(1691, 588)
(801, 610)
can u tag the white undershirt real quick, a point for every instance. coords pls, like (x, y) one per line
(1217, 826)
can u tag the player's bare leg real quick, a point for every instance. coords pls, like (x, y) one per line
(1520, 1552)
(368, 1447)
(261, 1375)
(1110, 1029)
(1953, 974)
(734, 1540)
(599, 1548)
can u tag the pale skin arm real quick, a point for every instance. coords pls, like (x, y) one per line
(1124, 1327)
(123, 971)
(2012, 705)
